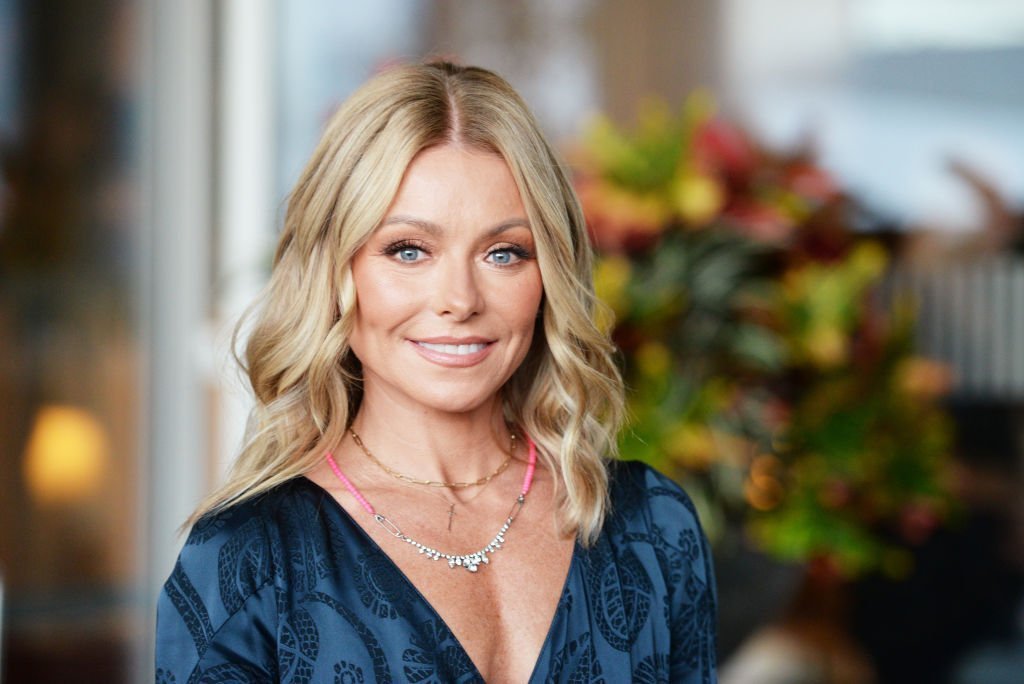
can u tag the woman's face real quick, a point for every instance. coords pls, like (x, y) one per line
(448, 287)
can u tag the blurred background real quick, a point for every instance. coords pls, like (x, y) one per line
(810, 216)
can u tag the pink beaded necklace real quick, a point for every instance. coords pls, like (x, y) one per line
(469, 561)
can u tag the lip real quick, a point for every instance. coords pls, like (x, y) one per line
(453, 360)
(454, 340)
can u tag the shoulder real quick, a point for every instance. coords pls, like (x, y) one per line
(231, 554)
(652, 516)
(641, 496)
(251, 523)
(225, 589)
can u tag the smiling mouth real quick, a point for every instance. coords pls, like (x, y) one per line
(454, 349)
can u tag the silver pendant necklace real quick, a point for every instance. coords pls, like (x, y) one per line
(469, 561)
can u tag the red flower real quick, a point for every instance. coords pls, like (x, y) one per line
(917, 523)
(720, 147)
(759, 221)
(811, 182)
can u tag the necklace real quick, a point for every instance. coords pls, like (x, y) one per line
(469, 561)
(482, 482)
(435, 483)
(451, 504)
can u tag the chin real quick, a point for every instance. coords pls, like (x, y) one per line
(456, 397)
(456, 404)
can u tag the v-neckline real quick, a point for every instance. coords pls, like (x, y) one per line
(545, 645)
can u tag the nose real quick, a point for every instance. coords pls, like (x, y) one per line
(457, 292)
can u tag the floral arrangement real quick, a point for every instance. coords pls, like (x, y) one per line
(765, 370)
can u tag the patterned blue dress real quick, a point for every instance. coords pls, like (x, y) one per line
(288, 588)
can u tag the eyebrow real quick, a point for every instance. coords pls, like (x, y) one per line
(436, 229)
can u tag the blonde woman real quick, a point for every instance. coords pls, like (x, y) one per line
(429, 490)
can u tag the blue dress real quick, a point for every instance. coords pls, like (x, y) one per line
(289, 588)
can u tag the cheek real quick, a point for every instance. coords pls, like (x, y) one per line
(523, 305)
(369, 289)
(380, 300)
(528, 328)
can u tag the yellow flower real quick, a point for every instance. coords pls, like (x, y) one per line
(692, 445)
(795, 284)
(611, 276)
(867, 263)
(826, 346)
(794, 206)
(698, 198)
(653, 359)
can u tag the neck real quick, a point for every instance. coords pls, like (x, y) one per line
(436, 445)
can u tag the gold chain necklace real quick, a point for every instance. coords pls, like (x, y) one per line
(451, 504)
(471, 561)
(436, 483)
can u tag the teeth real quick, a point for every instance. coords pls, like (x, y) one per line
(456, 349)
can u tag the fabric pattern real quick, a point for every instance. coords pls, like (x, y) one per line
(289, 588)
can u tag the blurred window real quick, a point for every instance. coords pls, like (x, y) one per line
(69, 340)
(890, 93)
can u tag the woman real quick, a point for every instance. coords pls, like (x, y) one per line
(428, 492)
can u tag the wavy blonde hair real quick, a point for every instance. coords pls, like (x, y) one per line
(567, 395)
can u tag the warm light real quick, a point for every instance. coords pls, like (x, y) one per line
(763, 489)
(66, 455)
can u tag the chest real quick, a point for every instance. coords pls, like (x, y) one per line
(358, 610)
(542, 605)
(501, 614)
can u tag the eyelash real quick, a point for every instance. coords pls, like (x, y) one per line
(521, 253)
(394, 248)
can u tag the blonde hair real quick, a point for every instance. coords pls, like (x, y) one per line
(567, 395)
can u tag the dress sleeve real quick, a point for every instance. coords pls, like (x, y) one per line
(694, 612)
(692, 600)
(217, 616)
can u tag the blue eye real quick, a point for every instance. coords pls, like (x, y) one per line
(409, 253)
(405, 251)
(507, 256)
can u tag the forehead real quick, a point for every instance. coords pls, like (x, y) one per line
(451, 179)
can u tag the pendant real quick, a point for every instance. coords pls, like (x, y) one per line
(469, 561)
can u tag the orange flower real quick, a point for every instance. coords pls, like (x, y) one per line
(619, 219)
(924, 378)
